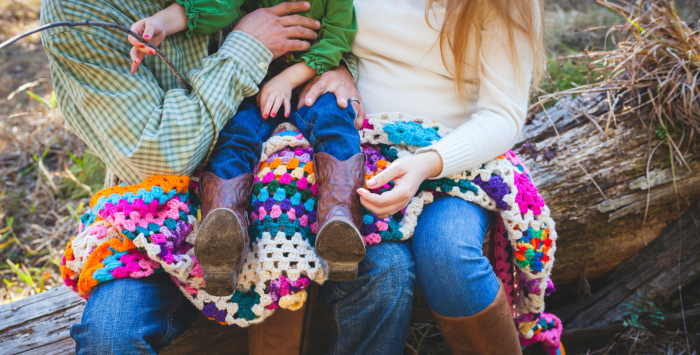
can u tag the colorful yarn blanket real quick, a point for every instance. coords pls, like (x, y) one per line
(135, 231)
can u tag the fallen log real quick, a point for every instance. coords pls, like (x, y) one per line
(40, 324)
(596, 186)
(654, 274)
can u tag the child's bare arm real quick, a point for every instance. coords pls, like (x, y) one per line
(278, 90)
(170, 20)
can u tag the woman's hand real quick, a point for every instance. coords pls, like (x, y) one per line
(408, 173)
(340, 82)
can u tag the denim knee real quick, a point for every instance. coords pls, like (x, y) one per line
(238, 147)
(456, 279)
(132, 316)
(373, 312)
(329, 128)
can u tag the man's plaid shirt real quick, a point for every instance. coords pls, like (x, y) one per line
(146, 124)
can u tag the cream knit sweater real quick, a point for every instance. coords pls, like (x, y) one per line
(401, 69)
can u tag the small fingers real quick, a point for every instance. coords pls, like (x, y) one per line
(267, 105)
(136, 58)
(279, 100)
(287, 107)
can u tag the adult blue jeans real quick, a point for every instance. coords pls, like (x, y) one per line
(133, 316)
(329, 128)
(443, 259)
(373, 312)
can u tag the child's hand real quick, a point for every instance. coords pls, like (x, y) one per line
(275, 93)
(152, 29)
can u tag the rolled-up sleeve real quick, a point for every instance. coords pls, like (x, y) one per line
(136, 127)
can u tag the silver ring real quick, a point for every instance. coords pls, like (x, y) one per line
(354, 99)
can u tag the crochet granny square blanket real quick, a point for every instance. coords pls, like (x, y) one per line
(138, 230)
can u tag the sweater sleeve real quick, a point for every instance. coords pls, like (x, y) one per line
(501, 107)
(338, 28)
(209, 16)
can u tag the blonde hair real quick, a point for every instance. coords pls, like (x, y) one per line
(461, 16)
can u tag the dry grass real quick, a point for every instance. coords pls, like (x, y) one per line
(646, 342)
(38, 198)
(655, 65)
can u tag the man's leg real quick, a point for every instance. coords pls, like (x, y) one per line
(133, 316)
(373, 312)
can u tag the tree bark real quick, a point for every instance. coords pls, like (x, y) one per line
(654, 274)
(600, 226)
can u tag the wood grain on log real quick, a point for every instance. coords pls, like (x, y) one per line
(596, 232)
(653, 274)
(40, 324)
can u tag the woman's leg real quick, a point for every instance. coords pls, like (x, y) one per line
(373, 312)
(133, 316)
(458, 282)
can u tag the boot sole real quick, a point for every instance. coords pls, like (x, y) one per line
(218, 247)
(340, 244)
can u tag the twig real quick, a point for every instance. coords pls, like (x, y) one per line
(115, 26)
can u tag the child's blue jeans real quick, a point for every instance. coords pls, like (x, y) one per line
(329, 128)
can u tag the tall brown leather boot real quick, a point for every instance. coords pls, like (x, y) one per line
(222, 239)
(285, 332)
(489, 332)
(338, 240)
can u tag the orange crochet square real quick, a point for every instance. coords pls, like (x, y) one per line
(276, 163)
(309, 168)
(293, 164)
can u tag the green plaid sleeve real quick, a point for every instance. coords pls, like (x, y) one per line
(138, 128)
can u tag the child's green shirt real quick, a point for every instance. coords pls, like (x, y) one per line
(337, 17)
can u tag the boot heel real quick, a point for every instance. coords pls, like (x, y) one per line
(340, 244)
(218, 247)
(339, 271)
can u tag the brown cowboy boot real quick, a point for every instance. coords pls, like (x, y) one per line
(491, 331)
(338, 240)
(222, 239)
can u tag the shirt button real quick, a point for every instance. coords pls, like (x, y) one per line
(262, 65)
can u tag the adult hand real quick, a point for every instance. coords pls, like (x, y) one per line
(279, 29)
(340, 82)
(408, 173)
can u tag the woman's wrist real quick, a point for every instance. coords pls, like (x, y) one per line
(432, 163)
